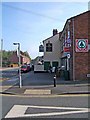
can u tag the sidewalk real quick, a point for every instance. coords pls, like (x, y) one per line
(66, 87)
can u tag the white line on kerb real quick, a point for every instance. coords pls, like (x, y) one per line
(19, 111)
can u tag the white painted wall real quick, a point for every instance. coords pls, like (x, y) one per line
(55, 54)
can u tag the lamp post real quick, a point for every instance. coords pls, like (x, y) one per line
(1, 51)
(20, 83)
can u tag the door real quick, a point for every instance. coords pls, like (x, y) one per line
(55, 64)
(46, 65)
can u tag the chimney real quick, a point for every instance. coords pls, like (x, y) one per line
(55, 32)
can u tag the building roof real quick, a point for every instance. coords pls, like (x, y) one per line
(50, 37)
(75, 17)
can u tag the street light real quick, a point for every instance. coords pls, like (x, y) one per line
(20, 83)
(1, 51)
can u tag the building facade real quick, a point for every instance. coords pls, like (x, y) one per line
(23, 58)
(51, 55)
(74, 46)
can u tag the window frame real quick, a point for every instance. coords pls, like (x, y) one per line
(49, 47)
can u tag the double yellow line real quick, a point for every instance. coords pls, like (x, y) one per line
(45, 96)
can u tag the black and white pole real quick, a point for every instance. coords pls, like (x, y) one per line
(55, 81)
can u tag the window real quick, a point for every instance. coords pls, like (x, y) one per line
(49, 47)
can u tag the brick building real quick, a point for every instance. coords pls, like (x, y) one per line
(75, 56)
(23, 58)
(14, 58)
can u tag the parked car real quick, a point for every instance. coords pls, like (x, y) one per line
(25, 68)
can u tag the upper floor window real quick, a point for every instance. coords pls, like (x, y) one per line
(49, 47)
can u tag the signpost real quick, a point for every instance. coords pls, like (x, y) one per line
(81, 45)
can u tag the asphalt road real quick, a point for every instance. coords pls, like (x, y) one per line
(31, 78)
(45, 107)
(28, 79)
(9, 77)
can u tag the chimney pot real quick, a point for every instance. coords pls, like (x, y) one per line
(55, 32)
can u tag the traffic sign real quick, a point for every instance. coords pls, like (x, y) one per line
(68, 56)
(81, 45)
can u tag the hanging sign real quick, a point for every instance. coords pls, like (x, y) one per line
(66, 49)
(41, 48)
(81, 45)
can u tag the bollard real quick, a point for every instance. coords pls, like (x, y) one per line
(55, 81)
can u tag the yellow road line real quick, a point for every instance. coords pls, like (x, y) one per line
(46, 96)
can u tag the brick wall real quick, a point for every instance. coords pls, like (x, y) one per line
(81, 59)
(89, 43)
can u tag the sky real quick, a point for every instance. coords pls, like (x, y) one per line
(29, 23)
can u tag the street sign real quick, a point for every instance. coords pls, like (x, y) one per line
(68, 56)
(81, 45)
(66, 49)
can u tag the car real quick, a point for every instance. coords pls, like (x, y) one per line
(25, 68)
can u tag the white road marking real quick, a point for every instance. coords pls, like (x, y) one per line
(19, 111)
(13, 79)
(3, 88)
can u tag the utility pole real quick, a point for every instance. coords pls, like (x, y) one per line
(1, 51)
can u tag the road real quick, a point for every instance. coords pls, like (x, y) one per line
(48, 107)
(9, 76)
(28, 79)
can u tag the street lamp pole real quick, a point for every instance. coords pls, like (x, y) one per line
(20, 83)
(1, 55)
(19, 65)
(1, 51)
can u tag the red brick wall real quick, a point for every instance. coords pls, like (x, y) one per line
(89, 43)
(81, 59)
(81, 66)
(14, 58)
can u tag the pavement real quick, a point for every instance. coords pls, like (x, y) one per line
(66, 87)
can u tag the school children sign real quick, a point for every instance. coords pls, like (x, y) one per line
(81, 45)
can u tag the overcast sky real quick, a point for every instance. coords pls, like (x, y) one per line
(29, 23)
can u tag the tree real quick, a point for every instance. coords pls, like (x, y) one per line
(5, 57)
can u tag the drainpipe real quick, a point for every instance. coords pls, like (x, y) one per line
(73, 50)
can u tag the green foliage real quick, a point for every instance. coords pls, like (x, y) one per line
(5, 57)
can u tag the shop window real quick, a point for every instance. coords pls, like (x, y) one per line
(49, 47)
